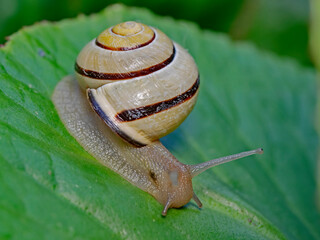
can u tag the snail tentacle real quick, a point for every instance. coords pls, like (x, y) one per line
(196, 169)
(197, 200)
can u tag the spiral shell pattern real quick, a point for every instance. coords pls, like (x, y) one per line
(138, 81)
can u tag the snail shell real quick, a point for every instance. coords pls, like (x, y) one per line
(142, 85)
(139, 82)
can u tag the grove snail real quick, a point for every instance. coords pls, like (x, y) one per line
(141, 86)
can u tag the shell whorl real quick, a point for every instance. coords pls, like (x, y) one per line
(125, 36)
(138, 81)
(132, 53)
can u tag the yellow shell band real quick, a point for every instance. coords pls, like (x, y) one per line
(125, 36)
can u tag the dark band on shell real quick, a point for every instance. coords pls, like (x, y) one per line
(95, 106)
(145, 111)
(125, 48)
(128, 75)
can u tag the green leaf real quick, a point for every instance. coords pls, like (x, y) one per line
(52, 189)
(315, 52)
(278, 26)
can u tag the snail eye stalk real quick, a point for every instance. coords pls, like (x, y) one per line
(196, 169)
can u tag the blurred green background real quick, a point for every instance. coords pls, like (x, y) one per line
(278, 26)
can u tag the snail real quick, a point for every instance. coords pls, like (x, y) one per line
(132, 86)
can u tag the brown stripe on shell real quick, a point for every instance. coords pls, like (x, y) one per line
(145, 111)
(95, 106)
(122, 76)
(99, 44)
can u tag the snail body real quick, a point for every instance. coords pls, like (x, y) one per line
(124, 97)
